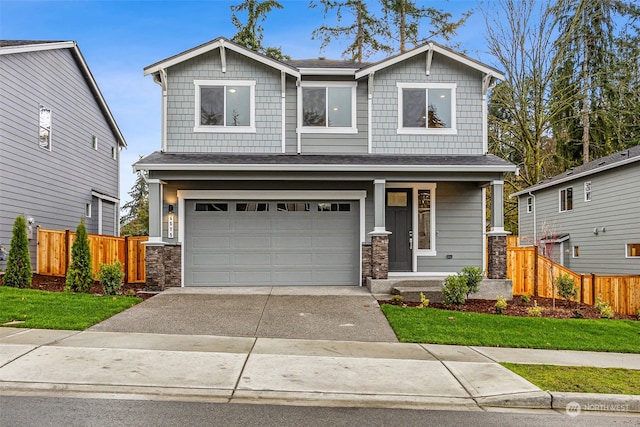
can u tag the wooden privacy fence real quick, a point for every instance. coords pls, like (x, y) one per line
(532, 274)
(54, 253)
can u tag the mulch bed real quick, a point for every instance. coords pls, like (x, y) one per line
(563, 310)
(56, 284)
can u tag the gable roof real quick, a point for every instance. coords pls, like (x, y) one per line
(621, 158)
(220, 42)
(322, 66)
(11, 47)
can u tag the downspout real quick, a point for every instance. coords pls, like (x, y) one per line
(488, 82)
(299, 115)
(283, 106)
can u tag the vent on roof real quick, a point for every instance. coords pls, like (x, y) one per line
(602, 163)
(322, 58)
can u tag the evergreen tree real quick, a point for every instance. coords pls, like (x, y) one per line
(18, 272)
(366, 32)
(80, 274)
(250, 34)
(135, 220)
(589, 60)
(405, 17)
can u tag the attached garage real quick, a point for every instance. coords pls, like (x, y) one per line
(255, 242)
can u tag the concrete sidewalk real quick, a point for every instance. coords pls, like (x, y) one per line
(285, 371)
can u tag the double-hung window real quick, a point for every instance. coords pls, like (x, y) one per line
(587, 191)
(566, 199)
(44, 132)
(225, 106)
(427, 108)
(328, 107)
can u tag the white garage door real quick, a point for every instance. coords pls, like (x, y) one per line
(271, 243)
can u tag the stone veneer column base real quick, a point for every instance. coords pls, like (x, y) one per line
(163, 266)
(380, 256)
(497, 250)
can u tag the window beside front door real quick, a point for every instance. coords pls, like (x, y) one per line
(425, 241)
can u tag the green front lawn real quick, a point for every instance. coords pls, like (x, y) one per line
(58, 310)
(430, 325)
(579, 379)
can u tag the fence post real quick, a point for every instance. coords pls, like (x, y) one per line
(593, 288)
(126, 259)
(67, 252)
(582, 288)
(535, 271)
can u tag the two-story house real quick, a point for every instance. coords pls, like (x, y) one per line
(59, 143)
(587, 218)
(320, 172)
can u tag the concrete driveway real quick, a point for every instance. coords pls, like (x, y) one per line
(316, 313)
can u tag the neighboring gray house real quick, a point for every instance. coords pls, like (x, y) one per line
(320, 172)
(59, 143)
(587, 218)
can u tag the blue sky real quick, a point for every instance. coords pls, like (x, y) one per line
(118, 38)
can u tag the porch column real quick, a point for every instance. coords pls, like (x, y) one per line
(379, 235)
(497, 237)
(154, 247)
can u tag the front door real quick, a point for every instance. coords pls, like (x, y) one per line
(398, 222)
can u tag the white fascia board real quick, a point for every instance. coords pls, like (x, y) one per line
(424, 48)
(328, 71)
(323, 168)
(214, 45)
(568, 178)
(105, 197)
(7, 50)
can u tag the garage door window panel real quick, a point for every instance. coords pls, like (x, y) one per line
(211, 207)
(334, 207)
(293, 207)
(252, 207)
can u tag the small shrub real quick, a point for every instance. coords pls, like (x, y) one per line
(455, 289)
(501, 304)
(424, 301)
(535, 311)
(110, 277)
(577, 314)
(18, 274)
(130, 293)
(526, 299)
(397, 299)
(473, 276)
(565, 285)
(639, 314)
(604, 308)
(79, 274)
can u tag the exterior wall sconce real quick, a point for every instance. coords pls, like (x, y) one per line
(170, 209)
(598, 230)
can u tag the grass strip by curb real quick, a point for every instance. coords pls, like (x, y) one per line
(579, 379)
(436, 326)
(30, 308)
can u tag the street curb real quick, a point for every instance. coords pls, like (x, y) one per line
(533, 400)
(596, 402)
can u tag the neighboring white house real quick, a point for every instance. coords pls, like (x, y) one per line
(319, 172)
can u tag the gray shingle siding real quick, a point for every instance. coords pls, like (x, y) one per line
(53, 186)
(615, 205)
(181, 105)
(468, 108)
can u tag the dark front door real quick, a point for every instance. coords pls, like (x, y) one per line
(398, 222)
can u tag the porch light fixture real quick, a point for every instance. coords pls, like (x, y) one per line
(170, 209)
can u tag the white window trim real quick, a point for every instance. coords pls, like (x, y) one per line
(114, 153)
(453, 130)
(626, 251)
(573, 251)
(326, 129)
(587, 199)
(87, 210)
(529, 204)
(224, 128)
(50, 147)
(560, 199)
(94, 142)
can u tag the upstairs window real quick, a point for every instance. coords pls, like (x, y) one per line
(587, 191)
(566, 199)
(329, 107)
(44, 134)
(529, 204)
(225, 106)
(426, 108)
(94, 142)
